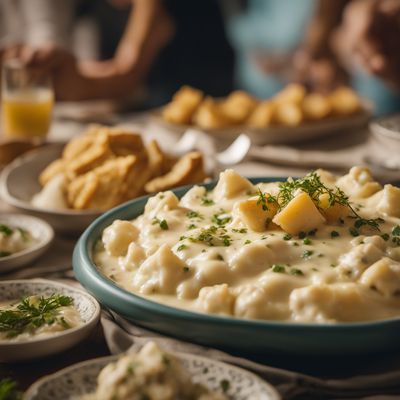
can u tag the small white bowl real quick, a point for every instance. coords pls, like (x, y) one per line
(385, 141)
(19, 183)
(80, 379)
(86, 305)
(40, 230)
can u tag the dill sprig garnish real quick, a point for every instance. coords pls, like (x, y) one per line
(315, 188)
(29, 314)
(8, 390)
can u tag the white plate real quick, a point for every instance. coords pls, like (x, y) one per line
(280, 134)
(19, 183)
(40, 230)
(80, 379)
(87, 306)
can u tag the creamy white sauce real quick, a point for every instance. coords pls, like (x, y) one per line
(14, 239)
(66, 318)
(325, 277)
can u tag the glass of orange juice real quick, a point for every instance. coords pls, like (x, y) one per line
(27, 102)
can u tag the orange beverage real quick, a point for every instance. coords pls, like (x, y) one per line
(27, 112)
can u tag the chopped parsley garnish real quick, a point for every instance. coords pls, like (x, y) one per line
(396, 230)
(29, 315)
(221, 219)
(181, 247)
(307, 241)
(296, 271)
(225, 385)
(185, 269)
(24, 234)
(288, 236)
(307, 253)
(192, 226)
(194, 214)
(385, 236)
(162, 223)
(354, 232)
(278, 268)
(205, 201)
(302, 235)
(334, 234)
(213, 236)
(247, 241)
(241, 230)
(6, 230)
(8, 390)
(312, 232)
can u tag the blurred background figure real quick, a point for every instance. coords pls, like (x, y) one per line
(152, 47)
(318, 43)
(163, 44)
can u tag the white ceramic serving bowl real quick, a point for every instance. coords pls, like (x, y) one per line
(80, 379)
(40, 230)
(19, 183)
(88, 307)
(385, 138)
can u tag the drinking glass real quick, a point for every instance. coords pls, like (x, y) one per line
(26, 100)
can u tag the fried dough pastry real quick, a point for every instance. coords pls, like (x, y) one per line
(107, 166)
(238, 106)
(210, 116)
(189, 169)
(263, 115)
(183, 105)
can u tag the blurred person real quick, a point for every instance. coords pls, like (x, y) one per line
(164, 44)
(367, 44)
(278, 42)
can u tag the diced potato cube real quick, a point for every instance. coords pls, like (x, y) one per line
(300, 214)
(253, 215)
(230, 184)
(332, 213)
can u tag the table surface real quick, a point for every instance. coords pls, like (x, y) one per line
(340, 366)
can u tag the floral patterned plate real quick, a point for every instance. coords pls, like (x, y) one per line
(87, 306)
(73, 382)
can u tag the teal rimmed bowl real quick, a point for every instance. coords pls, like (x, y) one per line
(249, 336)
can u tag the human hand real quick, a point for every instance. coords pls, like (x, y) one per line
(321, 74)
(368, 38)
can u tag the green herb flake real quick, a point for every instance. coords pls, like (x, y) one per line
(164, 225)
(225, 385)
(287, 236)
(8, 390)
(296, 271)
(6, 230)
(247, 241)
(385, 236)
(334, 234)
(396, 230)
(307, 253)
(205, 201)
(302, 235)
(4, 254)
(185, 269)
(241, 230)
(278, 268)
(182, 247)
(307, 241)
(354, 232)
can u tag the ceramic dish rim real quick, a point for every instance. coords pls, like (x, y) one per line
(26, 205)
(40, 245)
(56, 335)
(36, 385)
(82, 253)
